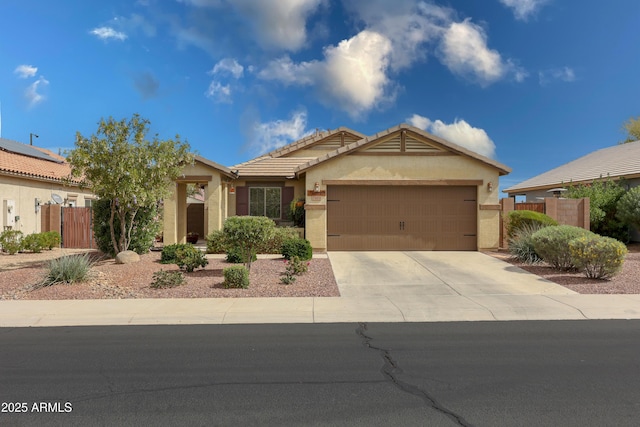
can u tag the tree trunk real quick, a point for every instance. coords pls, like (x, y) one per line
(111, 227)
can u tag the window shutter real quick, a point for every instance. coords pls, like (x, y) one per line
(287, 198)
(242, 200)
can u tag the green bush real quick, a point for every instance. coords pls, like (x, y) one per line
(274, 244)
(68, 269)
(52, 239)
(597, 256)
(167, 279)
(628, 208)
(188, 258)
(247, 233)
(297, 247)
(236, 276)
(237, 256)
(33, 243)
(551, 244)
(168, 255)
(516, 220)
(603, 197)
(11, 241)
(521, 244)
(146, 227)
(216, 243)
(294, 267)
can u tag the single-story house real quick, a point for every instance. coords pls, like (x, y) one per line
(30, 177)
(615, 162)
(620, 161)
(400, 189)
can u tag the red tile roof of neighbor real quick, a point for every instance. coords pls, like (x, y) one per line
(16, 164)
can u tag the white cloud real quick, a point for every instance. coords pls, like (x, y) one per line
(564, 74)
(459, 132)
(219, 92)
(352, 76)
(465, 52)
(106, 33)
(228, 65)
(268, 136)
(522, 9)
(32, 93)
(25, 71)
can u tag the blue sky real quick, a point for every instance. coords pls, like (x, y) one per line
(531, 83)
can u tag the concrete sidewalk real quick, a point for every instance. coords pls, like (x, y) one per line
(374, 287)
(435, 308)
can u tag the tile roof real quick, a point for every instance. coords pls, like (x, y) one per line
(270, 166)
(310, 140)
(617, 161)
(225, 170)
(12, 163)
(446, 144)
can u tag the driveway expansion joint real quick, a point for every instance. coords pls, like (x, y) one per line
(390, 370)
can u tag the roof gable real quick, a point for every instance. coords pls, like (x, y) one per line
(404, 140)
(326, 140)
(616, 162)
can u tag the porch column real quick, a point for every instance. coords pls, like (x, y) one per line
(169, 230)
(181, 213)
(213, 200)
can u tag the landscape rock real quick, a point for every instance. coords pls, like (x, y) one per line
(127, 257)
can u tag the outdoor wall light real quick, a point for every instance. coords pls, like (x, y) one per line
(316, 187)
(490, 187)
(232, 189)
(38, 202)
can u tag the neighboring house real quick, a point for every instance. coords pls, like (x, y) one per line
(400, 189)
(29, 178)
(618, 161)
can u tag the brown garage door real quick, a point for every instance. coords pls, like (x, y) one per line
(401, 218)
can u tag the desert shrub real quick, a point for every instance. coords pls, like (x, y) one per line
(297, 247)
(603, 197)
(188, 258)
(247, 233)
(33, 243)
(551, 244)
(11, 241)
(145, 227)
(236, 276)
(51, 239)
(628, 208)
(521, 244)
(237, 256)
(597, 256)
(293, 268)
(168, 255)
(519, 219)
(167, 279)
(216, 243)
(68, 269)
(274, 244)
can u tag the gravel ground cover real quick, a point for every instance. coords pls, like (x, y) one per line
(626, 282)
(19, 273)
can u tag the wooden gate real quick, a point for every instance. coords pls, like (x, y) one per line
(77, 228)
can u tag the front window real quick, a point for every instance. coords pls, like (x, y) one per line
(265, 201)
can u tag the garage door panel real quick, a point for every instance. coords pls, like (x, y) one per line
(401, 218)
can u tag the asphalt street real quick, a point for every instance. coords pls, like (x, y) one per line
(570, 373)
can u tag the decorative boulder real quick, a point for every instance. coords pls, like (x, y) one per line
(127, 257)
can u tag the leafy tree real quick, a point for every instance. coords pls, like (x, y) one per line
(628, 208)
(247, 233)
(632, 128)
(145, 226)
(119, 164)
(603, 199)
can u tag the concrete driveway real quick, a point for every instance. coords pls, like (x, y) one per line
(434, 273)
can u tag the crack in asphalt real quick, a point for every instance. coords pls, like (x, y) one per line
(390, 370)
